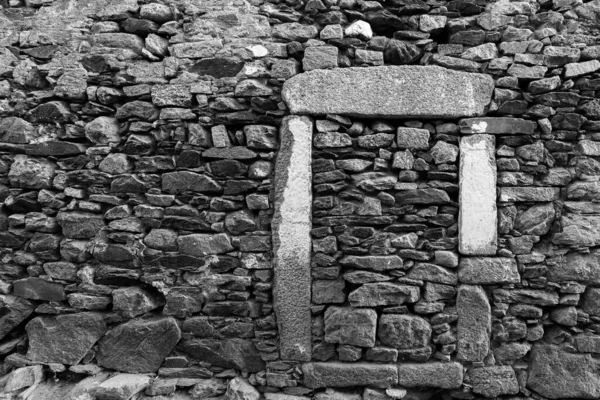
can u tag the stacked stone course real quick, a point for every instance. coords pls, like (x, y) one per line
(149, 248)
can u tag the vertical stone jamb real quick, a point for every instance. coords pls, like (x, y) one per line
(478, 216)
(474, 323)
(291, 238)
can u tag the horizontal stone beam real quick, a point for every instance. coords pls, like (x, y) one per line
(478, 218)
(337, 374)
(291, 238)
(389, 92)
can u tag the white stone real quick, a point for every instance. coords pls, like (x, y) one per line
(360, 29)
(477, 221)
(429, 23)
(258, 50)
(291, 238)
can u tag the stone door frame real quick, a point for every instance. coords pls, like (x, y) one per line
(322, 92)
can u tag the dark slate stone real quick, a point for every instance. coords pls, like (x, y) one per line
(55, 148)
(64, 339)
(397, 52)
(138, 346)
(139, 26)
(217, 67)
(422, 196)
(181, 181)
(230, 153)
(13, 311)
(240, 354)
(39, 289)
(53, 111)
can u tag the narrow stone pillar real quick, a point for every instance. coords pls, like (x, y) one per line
(474, 323)
(291, 238)
(478, 217)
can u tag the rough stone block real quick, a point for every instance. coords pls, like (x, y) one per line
(319, 57)
(351, 326)
(488, 270)
(404, 331)
(579, 230)
(389, 91)
(557, 374)
(474, 323)
(291, 238)
(336, 374)
(494, 381)
(575, 266)
(383, 294)
(478, 218)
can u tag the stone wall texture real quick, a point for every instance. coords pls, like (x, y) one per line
(299, 199)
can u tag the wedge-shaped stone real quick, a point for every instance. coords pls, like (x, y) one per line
(488, 270)
(432, 273)
(579, 230)
(383, 294)
(16, 311)
(557, 374)
(389, 91)
(375, 263)
(444, 375)
(474, 323)
(138, 346)
(478, 218)
(64, 339)
(336, 374)
(240, 354)
(498, 126)
(506, 194)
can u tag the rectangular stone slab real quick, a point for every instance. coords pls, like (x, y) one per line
(478, 217)
(337, 374)
(445, 375)
(510, 194)
(389, 92)
(291, 238)
(498, 126)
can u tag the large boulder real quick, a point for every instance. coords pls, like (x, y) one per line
(556, 373)
(64, 339)
(138, 346)
(389, 91)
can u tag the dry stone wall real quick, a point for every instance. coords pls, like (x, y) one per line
(249, 199)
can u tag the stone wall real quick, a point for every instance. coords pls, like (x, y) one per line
(150, 149)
